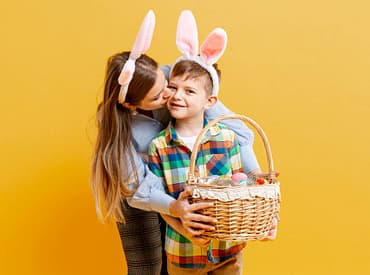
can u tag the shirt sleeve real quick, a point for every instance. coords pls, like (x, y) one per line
(154, 161)
(249, 160)
(245, 136)
(150, 195)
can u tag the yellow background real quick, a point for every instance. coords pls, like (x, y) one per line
(299, 68)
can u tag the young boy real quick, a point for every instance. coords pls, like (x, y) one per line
(169, 158)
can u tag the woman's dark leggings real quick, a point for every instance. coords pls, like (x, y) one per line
(142, 239)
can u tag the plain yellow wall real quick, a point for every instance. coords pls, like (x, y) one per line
(299, 68)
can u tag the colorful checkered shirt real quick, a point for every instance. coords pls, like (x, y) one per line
(169, 158)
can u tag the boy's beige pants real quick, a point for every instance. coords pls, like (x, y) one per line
(232, 266)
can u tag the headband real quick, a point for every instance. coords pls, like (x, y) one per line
(141, 45)
(210, 51)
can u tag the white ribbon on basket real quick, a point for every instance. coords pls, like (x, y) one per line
(269, 191)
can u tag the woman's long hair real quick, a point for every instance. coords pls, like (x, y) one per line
(113, 166)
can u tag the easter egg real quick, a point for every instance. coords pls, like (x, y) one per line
(237, 177)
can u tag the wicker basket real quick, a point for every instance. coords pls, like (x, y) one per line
(242, 212)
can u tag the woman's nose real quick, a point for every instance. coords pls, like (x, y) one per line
(167, 93)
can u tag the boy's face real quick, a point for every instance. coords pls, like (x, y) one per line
(189, 97)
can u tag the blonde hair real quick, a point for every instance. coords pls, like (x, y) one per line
(113, 166)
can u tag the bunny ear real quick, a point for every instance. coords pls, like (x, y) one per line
(213, 46)
(125, 78)
(187, 34)
(144, 36)
(127, 72)
(141, 45)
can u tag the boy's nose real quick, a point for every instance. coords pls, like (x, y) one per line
(177, 94)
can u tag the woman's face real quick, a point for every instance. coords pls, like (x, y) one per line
(157, 96)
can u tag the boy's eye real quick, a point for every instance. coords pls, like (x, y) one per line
(190, 91)
(172, 88)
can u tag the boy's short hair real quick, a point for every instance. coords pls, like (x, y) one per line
(192, 70)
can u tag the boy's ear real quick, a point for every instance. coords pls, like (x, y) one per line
(211, 100)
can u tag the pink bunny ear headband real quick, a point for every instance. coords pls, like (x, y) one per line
(210, 51)
(141, 45)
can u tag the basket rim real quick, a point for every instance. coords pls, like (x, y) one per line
(271, 172)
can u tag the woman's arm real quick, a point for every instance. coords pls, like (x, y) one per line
(244, 135)
(150, 195)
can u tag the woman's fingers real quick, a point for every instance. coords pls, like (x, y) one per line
(185, 194)
(194, 236)
(198, 225)
(273, 230)
(200, 241)
(195, 207)
(193, 232)
(202, 218)
(272, 234)
(188, 212)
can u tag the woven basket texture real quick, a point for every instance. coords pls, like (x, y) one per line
(243, 212)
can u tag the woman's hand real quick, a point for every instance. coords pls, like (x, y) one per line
(191, 234)
(199, 241)
(273, 230)
(191, 220)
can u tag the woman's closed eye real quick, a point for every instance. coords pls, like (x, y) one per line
(156, 97)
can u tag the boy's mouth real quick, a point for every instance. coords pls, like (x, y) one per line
(176, 105)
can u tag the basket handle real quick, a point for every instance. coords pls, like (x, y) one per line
(260, 131)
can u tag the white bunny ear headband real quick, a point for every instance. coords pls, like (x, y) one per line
(210, 51)
(141, 45)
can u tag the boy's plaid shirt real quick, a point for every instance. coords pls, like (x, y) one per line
(169, 158)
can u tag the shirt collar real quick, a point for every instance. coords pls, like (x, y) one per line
(171, 135)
